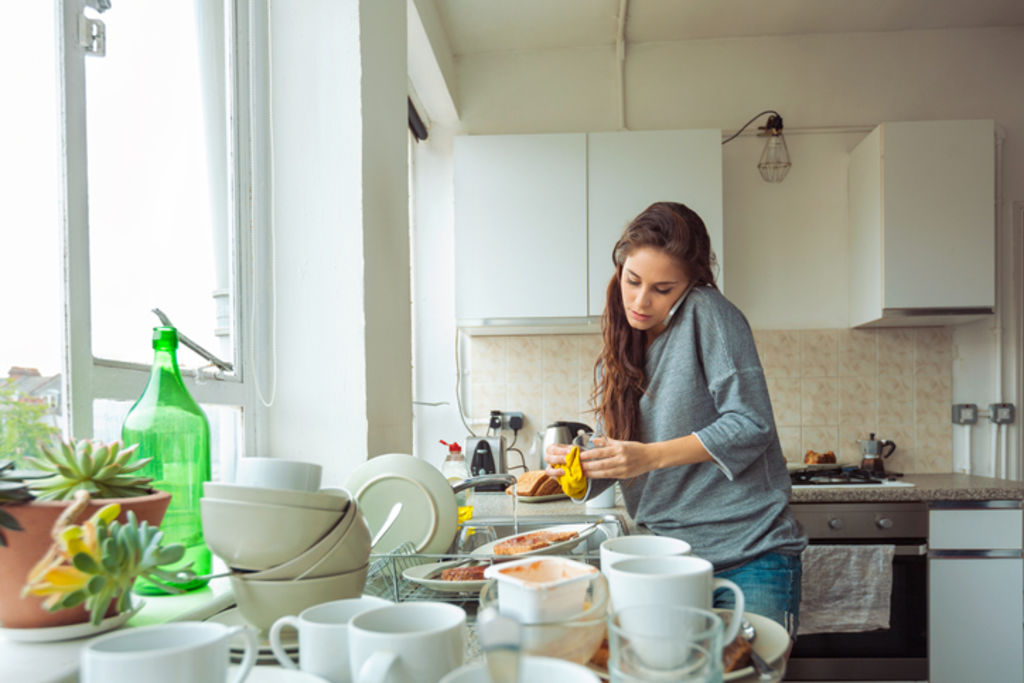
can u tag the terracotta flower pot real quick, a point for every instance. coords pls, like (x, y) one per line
(25, 548)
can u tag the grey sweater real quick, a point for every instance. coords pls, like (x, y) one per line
(705, 378)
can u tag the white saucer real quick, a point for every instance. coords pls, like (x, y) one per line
(49, 634)
(276, 674)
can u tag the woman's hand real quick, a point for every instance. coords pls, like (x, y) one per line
(554, 455)
(617, 459)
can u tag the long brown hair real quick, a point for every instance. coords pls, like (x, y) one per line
(619, 372)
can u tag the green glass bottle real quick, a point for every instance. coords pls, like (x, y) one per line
(170, 427)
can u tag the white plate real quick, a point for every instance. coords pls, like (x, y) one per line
(233, 617)
(428, 518)
(276, 674)
(422, 574)
(49, 634)
(585, 528)
(771, 643)
(543, 499)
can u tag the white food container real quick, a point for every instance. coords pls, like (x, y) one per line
(541, 589)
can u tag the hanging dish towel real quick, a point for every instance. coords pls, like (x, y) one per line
(845, 588)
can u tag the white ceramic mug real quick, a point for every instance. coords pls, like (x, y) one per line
(605, 499)
(406, 643)
(275, 473)
(628, 547)
(194, 651)
(683, 580)
(323, 637)
(531, 668)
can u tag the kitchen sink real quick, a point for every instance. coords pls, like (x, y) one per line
(478, 531)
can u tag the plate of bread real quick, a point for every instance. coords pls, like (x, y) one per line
(535, 486)
(454, 576)
(546, 541)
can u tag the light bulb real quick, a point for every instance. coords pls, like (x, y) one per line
(774, 163)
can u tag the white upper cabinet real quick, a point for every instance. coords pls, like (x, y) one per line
(922, 224)
(536, 216)
(629, 171)
(520, 226)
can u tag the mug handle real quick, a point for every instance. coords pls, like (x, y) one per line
(736, 619)
(251, 647)
(375, 668)
(280, 655)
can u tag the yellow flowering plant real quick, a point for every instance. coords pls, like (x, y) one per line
(97, 562)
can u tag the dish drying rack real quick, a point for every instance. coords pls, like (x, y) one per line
(385, 579)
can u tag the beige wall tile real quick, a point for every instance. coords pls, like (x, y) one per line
(789, 439)
(849, 452)
(895, 352)
(933, 351)
(895, 400)
(528, 398)
(561, 402)
(819, 439)
(819, 401)
(933, 396)
(762, 340)
(525, 359)
(858, 400)
(935, 448)
(781, 353)
(590, 350)
(785, 397)
(819, 353)
(858, 353)
(488, 359)
(488, 396)
(560, 359)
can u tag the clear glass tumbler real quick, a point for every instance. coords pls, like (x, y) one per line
(664, 643)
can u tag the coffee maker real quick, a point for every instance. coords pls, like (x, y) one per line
(873, 451)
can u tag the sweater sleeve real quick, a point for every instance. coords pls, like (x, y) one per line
(745, 427)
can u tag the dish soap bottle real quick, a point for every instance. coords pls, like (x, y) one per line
(454, 469)
(170, 427)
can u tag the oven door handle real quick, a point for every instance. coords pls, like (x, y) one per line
(1007, 554)
(917, 550)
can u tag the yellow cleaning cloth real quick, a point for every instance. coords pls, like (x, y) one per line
(573, 483)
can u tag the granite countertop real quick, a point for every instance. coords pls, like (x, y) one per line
(927, 488)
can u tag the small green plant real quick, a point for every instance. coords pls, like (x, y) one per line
(103, 470)
(96, 563)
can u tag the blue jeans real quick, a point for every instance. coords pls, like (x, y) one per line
(771, 588)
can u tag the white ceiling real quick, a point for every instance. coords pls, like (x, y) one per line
(474, 26)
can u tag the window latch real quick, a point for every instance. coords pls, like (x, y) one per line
(92, 36)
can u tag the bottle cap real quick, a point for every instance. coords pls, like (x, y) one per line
(452, 447)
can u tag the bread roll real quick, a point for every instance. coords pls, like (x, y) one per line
(813, 458)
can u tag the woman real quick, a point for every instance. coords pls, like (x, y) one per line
(682, 401)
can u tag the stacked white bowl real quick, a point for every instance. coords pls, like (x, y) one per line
(287, 549)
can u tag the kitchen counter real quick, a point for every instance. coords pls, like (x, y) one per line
(927, 488)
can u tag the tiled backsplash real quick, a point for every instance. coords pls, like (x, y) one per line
(829, 388)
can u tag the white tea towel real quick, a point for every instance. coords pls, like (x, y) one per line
(845, 588)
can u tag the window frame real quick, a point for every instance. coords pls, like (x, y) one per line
(87, 378)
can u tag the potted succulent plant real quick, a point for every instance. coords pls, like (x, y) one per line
(31, 504)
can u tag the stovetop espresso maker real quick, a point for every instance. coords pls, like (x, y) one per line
(873, 451)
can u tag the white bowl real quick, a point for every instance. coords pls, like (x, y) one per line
(278, 473)
(332, 499)
(344, 548)
(261, 535)
(264, 602)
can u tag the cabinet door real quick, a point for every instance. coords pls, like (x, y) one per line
(628, 171)
(520, 226)
(975, 618)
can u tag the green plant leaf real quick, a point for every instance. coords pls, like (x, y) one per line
(169, 554)
(73, 599)
(97, 583)
(84, 562)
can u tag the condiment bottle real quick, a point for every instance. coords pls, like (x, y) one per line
(170, 427)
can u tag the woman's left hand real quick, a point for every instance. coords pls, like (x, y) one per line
(616, 459)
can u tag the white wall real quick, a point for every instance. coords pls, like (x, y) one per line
(784, 244)
(342, 277)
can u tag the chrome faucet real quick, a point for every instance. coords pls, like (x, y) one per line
(484, 480)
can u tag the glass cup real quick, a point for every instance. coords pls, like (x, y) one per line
(472, 537)
(665, 643)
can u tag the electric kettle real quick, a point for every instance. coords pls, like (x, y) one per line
(557, 432)
(873, 451)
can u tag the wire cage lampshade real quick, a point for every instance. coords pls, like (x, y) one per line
(774, 163)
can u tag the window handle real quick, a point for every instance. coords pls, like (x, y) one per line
(223, 365)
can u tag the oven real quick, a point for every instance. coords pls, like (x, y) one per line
(894, 654)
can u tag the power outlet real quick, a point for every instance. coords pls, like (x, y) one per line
(965, 413)
(1001, 413)
(512, 420)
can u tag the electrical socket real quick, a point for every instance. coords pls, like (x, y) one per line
(495, 420)
(1001, 413)
(965, 413)
(512, 420)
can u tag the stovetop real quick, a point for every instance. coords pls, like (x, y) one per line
(840, 476)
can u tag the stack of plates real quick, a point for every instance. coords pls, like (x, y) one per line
(232, 617)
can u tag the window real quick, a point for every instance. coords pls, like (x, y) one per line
(154, 144)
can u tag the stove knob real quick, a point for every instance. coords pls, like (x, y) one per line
(883, 523)
(835, 524)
